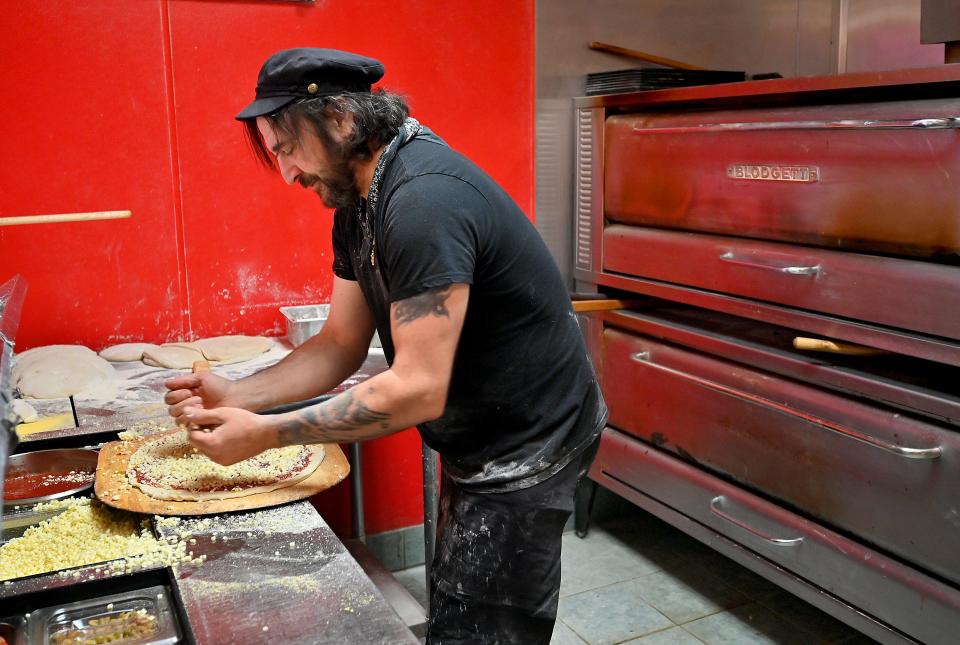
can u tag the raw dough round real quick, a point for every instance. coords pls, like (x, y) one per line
(125, 352)
(219, 350)
(168, 467)
(55, 371)
(173, 356)
(25, 360)
(233, 348)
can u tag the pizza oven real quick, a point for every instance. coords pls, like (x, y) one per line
(746, 219)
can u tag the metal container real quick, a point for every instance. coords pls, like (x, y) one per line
(49, 462)
(304, 321)
(13, 630)
(142, 616)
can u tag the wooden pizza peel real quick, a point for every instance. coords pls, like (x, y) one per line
(113, 489)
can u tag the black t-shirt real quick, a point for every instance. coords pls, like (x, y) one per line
(523, 398)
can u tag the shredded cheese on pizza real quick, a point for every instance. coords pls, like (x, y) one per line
(170, 462)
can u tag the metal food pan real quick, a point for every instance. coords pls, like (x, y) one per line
(141, 617)
(304, 321)
(51, 461)
(13, 630)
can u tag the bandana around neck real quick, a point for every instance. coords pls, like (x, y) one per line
(410, 128)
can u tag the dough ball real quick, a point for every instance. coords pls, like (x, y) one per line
(56, 371)
(173, 356)
(25, 360)
(233, 348)
(126, 352)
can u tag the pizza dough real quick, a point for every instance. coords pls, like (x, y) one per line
(168, 467)
(126, 352)
(219, 350)
(233, 348)
(55, 371)
(173, 356)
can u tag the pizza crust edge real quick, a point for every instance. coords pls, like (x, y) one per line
(317, 454)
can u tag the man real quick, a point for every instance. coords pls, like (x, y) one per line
(484, 351)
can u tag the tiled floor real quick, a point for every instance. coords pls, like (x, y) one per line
(638, 580)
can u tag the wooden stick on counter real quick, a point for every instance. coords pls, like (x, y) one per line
(65, 217)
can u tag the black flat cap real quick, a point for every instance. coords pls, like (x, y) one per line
(306, 72)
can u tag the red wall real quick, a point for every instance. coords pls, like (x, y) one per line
(128, 105)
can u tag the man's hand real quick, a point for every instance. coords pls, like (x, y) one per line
(203, 389)
(229, 435)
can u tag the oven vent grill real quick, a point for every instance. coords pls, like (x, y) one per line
(584, 190)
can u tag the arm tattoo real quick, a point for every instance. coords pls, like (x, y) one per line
(344, 418)
(429, 303)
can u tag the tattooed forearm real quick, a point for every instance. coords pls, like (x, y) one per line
(345, 418)
(429, 303)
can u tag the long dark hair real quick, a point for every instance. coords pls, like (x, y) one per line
(378, 116)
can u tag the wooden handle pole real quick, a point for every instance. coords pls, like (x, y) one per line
(586, 306)
(650, 58)
(64, 217)
(835, 347)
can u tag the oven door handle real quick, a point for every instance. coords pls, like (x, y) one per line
(796, 270)
(922, 123)
(716, 510)
(901, 451)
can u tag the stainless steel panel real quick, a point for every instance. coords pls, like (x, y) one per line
(883, 588)
(907, 294)
(857, 467)
(885, 34)
(879, 177)
(589, 189)
(554, 148)
(939, 21)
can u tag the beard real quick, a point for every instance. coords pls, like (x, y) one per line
(338, 189)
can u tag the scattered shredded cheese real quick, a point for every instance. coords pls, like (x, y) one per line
(171, 461)
(87, 532)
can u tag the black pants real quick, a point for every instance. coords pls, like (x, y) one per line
(495, 577)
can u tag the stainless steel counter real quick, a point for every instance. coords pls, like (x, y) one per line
(276, 575)
(279, 575)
